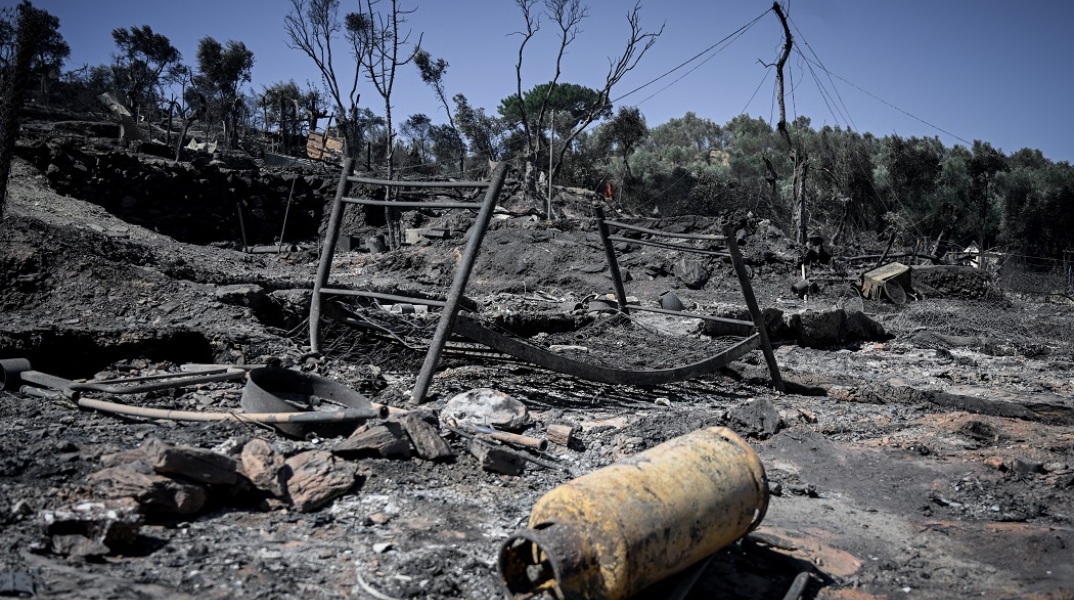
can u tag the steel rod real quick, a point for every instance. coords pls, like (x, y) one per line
(380, 296)
(286, 212)
(613, 262)
(350, 414)
(328, 249)
(159, 382)
(746, 327)
(398, 183)
(599, 373)
(755, 311)
(412, 203)
(242, 226)
(667, 246)
(455, 295)
(682, 236)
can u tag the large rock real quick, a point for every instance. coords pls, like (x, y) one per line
(385, 439)
(153, 492)
(264, 467)
(318, 478)
(197, 464)
(819, 329)
(691, 272)
(421, 428)
(825, 328)
(757, 418)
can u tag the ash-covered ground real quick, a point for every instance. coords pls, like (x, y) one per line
(932, 459)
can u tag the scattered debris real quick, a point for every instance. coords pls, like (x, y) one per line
(92, 529)
(421, 428)
(496, 459)
(561, 434)
(486, 407)
(890, 281)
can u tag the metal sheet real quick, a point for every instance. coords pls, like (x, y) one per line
(599, 373)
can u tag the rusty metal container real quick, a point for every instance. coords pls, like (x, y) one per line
(612, 533)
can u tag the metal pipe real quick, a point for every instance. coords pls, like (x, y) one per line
(755, 311)
(328, 249)
(614, 532)
(667, 246)
(455, 295)
(10, 370)
(613, 262)
(286, 212)
(380, 296)
(399, 183)
(412, 203)
(798, 586)
(350, 414)
(18, 369)
(668, 234)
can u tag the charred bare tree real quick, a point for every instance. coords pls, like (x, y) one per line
(568, 16)
(312, 26)
(798, 156)
(193, 111)
(376, 41)
(31, 30)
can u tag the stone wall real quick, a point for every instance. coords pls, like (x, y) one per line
(195, 201)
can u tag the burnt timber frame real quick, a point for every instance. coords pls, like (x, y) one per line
(760, 333)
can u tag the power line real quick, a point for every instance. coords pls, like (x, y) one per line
(696, 67)
(847, 118)
(737, 32)
(824, 94)
(878, 98)
(754, 95)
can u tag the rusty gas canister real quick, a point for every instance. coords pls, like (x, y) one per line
(612, 533)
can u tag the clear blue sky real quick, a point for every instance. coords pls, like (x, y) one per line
(994, 70)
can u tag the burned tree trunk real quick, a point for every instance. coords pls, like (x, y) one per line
(798, 156)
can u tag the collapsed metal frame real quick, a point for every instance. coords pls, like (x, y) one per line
(449, 306)
(450, 321)
(759, 335)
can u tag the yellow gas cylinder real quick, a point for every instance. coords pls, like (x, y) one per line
(612, 533)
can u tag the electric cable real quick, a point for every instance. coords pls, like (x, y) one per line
(737, 32)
